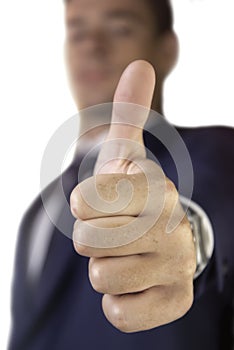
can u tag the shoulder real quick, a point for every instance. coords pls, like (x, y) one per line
(220, 135)
(213, 142)
(211, 150)
(208, 133)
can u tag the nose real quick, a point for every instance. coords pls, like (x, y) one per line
(96, 42)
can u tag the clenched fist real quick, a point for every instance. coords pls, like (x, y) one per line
(130, 221)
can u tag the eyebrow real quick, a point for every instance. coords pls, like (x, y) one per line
(111, 15)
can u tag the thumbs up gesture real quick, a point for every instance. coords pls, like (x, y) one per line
(122, 215)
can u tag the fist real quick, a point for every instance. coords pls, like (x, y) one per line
(129, 221)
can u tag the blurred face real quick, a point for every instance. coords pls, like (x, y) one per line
(102, 38)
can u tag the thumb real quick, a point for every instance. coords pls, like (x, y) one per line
(136, 86)
(132, 102)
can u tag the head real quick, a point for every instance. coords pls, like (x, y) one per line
(103, 37)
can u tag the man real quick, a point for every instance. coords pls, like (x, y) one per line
(149, 284)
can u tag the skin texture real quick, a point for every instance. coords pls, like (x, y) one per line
(148, 282)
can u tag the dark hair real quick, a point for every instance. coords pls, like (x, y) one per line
(163, 15)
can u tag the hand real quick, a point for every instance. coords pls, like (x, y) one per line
(147, 282)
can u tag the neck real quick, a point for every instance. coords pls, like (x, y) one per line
(93, 127)
(94, 119)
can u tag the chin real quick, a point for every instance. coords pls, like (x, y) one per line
(92, 101)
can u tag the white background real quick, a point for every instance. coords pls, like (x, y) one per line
(35, 98)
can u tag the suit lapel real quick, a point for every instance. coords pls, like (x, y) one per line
(60, 253)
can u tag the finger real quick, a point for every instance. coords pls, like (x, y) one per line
(106, 195)
(112, 194)
(154, 240)
(141, 245)
(151, 308)
(130, 274)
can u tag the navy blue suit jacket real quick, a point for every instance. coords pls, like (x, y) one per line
(64, 312)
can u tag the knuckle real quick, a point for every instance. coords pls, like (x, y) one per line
(185, 225)
(77, 204)
(96, 276)
(115, 312)
(187, 301)
(190, 261)
(118, 318)
(185, 259)
(187, 267)
(191, 267)
(73, 203)
(170, 187)
(181, 302)
(172, 197)
(81, 249)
